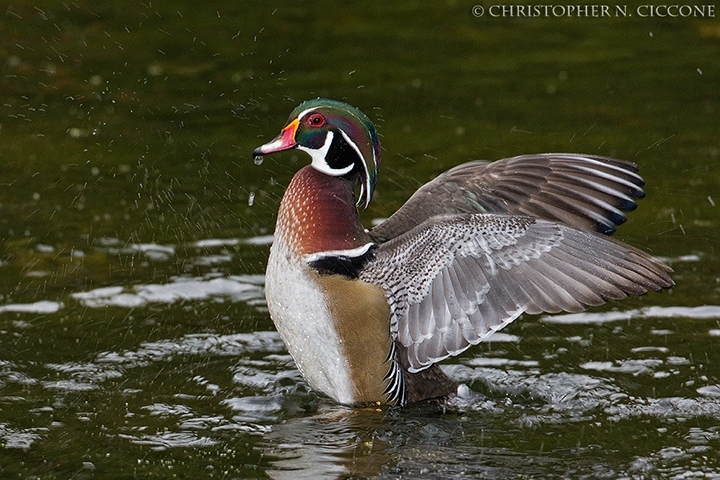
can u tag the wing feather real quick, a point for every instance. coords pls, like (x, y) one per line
(456, 279)
(584, 191)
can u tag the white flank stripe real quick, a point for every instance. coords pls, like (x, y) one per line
(351, 252)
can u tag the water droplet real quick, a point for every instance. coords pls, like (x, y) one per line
(258, 159)
(251, 198)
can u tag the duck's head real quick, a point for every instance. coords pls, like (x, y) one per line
(339, 138)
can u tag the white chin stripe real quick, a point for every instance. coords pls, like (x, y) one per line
(318, 158)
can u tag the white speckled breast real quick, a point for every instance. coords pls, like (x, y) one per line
(299, 309)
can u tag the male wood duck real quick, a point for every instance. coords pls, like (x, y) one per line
(367, 314)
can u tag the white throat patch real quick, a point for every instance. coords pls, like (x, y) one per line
(319, 162)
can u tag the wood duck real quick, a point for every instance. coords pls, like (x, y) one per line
(367, 314)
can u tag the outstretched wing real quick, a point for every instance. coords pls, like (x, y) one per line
(456, 279)
(586, 192)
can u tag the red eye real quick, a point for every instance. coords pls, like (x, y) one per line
(315, 120)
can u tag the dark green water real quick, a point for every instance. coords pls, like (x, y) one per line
(134, 224)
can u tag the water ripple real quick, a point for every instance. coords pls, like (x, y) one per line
(237, 288)
(43, 307)
(166, 440)
(703, 312)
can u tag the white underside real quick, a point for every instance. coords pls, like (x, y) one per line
(300, 313)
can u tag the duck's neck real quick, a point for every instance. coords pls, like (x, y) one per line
(318, 214)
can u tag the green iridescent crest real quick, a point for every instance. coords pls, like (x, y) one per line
(353, 128)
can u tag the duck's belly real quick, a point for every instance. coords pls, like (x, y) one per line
(299, 309)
